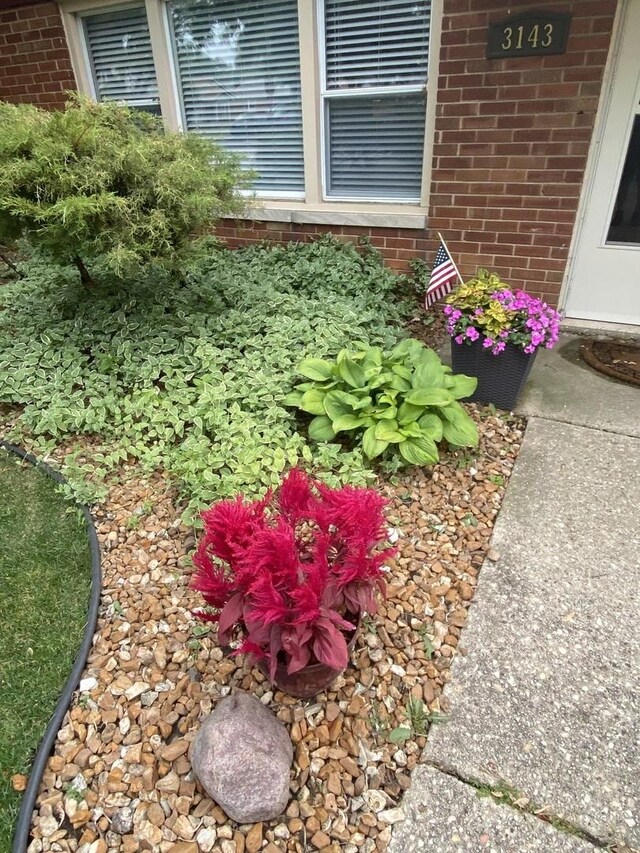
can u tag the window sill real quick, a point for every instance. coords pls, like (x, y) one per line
(359, 215)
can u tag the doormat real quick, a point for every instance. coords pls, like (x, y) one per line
(618, 359)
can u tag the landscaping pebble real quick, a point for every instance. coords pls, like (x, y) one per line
(159, 673)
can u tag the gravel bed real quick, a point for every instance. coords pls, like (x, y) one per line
(120, 777)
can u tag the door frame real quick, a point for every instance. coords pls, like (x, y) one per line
(593, 158)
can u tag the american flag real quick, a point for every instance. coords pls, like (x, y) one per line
(442, 276)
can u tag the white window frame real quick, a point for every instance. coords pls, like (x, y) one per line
(259, 194)
(314, 207)
(327, 94)
(84, 39)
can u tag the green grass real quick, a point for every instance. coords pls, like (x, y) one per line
(45, 574)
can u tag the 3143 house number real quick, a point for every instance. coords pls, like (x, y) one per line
(528, 34)
(516, 37)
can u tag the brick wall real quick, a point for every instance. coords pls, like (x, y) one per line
(512, 137)
(34, 61)
(510, 148)
(397, 245)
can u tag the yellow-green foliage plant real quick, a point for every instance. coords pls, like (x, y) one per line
(100, 182)
(476, 295)
(403, 401)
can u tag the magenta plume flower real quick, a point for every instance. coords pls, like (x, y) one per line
(288, 575)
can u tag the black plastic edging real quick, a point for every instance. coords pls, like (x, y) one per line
(23, 825)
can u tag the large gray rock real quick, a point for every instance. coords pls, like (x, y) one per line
(242, 757)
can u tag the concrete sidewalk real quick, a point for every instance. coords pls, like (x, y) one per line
(545, 707)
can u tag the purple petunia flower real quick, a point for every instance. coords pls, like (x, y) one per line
(530, 322)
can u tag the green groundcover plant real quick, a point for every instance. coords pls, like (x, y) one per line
(401, 401)
(103, 181)
(190, 376)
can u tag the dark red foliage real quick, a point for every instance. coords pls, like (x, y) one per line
(291, 573)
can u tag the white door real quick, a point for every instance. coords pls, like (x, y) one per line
(604, 281)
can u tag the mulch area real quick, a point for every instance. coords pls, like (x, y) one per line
(617, 359)
(120, 777)
(429, 327)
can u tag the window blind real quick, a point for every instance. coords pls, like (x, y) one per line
(119, 47)
(239, 72)
(375, 146)
(374, 140)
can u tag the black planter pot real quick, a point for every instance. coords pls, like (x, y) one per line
(500, 377)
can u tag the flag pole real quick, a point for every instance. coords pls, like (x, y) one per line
(451, 257)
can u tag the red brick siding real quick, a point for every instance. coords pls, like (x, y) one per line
(511, 143)
(35, 66)
(397, 245)
(510, 149)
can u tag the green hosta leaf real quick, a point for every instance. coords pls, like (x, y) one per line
(429, 371)
(385, 413)
(294, 398)
(429, 397)
(410, 348)
(454, 412)
(312, 401)
(461, 385)
(338, 403)
(347, 422)
(316, 369)
(399, 384)
(371, 359)
(419, 451)
(401, 370)
(412, 430)
(362, 402)
(388, 431)
(431, 425)
(462, 433)
(387, 398)
(408, 413)
(371, 445)
(382, 379)
(351, 372)
(320, 429)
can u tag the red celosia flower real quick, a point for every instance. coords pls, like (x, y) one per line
(291, 574)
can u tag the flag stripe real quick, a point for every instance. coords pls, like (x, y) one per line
(442, 276)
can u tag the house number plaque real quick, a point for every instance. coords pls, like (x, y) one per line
(529, 34)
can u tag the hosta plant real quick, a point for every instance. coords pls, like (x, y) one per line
(403, 401)
(289, 574)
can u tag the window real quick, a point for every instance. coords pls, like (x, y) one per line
(239, 76)
(122, 67)
(375, 71)
(325, 99)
